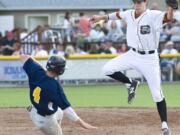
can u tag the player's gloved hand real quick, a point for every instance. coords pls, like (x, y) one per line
(85, 125)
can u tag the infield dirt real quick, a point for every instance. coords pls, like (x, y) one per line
(111, 121)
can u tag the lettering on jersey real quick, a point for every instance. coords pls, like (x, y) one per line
(36, 94)
(145, 29)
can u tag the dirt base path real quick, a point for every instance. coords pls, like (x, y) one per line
(111, 121)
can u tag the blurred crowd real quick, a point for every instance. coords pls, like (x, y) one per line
(77, 35)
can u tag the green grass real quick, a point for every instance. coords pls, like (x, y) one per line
(96, 96)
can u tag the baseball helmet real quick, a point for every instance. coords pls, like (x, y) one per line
(56, 64)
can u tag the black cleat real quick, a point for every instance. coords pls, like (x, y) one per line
(132, 90)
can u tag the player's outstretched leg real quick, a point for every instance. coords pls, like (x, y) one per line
(132, 85)
(161, 106)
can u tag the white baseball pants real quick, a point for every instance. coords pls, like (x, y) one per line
(49, 125)
(147, 65)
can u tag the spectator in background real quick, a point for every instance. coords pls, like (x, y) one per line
(115, 34)
(67, 25)
(24, 33)
(94, 49)
(39, 51)
(168, 64)
(84, 23)
(103, 48)
(47, 34)
(7, 50)
(109, 24)
(70, 50)
(60, 49)
(17, 49)
(96, 34)
(177, 16)
(110, 47)
(173, 32)
(154, 6)
(9, 39)
(1, 40)
(77, 34)
(122, 48)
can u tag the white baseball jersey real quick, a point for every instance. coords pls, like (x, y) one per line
(143, 32)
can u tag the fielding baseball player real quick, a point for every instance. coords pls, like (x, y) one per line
(49, 102)
(143, 32)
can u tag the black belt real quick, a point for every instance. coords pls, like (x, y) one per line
(143, 52)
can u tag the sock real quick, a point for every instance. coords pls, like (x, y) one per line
(120, 77)
(161, 106)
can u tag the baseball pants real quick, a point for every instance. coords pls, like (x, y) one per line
(147, 65)
(49, 125)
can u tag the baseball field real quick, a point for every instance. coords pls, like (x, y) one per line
(104, 106)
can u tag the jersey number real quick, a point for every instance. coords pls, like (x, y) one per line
(36, 94)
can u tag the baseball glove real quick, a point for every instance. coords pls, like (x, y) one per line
(172, 3)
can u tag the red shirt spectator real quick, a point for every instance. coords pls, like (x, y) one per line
(84, 24)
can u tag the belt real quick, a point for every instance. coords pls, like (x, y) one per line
(143, 52)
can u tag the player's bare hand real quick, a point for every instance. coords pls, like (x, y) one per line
(85, 125)
(96, 18)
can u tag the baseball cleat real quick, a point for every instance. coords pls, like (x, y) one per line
(132, 90)
(166, 131)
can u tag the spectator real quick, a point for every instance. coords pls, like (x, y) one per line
(7, 50)
(77, 34)
(70, 50)
(17, 49)
(67, 25)
(103, 48)
(174, 32)
(1, 40)
(110, 47)
(122, 49)
(168, 64)
(118, 23)
(39, 51)
(9, 39)
(94, 49)
(115, 34)
(47, 34)
(23, 33)
(154, 6)
(60, 49)
(84, 24)
(96, 34)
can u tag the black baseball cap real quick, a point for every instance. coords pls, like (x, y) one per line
(139, 1)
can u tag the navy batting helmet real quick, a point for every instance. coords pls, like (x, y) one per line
(56, 64)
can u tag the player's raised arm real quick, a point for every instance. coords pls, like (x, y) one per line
(111, 16)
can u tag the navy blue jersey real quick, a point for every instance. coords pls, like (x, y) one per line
(46, 94)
